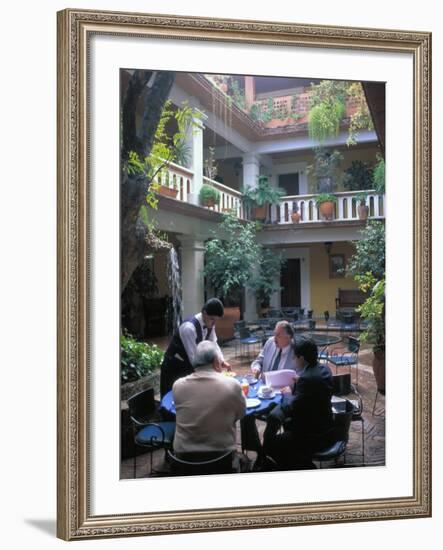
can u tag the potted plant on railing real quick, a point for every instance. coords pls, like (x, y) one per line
(362, 207)
(326, 205)
(209, 196)
(168, 190)
(257, 199)
(326, 169)
(295, 216)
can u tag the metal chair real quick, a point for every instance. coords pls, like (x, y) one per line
(347, 359)
(237, 326)
(201, 463)
(339, 432)
(149, 434)
(342, 386)
(247, 339)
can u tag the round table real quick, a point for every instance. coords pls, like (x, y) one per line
(168, 405)
(322, 339)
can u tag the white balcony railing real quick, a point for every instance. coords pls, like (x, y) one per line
(230, 199)
(345, 208)
(182, 179)
(177, 177)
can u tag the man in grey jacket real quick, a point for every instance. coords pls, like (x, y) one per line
(277, 353)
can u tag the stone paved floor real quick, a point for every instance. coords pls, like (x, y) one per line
(374, 424)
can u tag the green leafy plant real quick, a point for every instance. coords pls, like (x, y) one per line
(166, 148)
(379, 175)
(234, 260)
(367, 267)
(326, 163)
(324, 119)
(138, 358)
(266, 280)
(264, 193)
(361, 198)
(358, 176)
(325, 197)
(328, 109)
(209, 194)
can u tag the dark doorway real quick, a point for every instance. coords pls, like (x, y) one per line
(290, 282)
(289, 182)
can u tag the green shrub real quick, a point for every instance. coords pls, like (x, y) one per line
(325, 197)
(379, 175)
(208, 193)
(138, 358)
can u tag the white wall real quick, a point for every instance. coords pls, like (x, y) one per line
(28, 101)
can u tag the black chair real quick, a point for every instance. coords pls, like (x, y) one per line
(340, 433)
(149, 432)
(347, 359)
(237, 326)
(201, 463)
(247, 339)
(342, 387)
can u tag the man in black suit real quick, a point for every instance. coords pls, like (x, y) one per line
(306, 414)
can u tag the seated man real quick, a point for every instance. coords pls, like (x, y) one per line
(306, 414)
(277, 353)
(208, 404)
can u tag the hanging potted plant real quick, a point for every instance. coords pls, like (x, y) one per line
(295, 216)
(257, 199)
(326, 205)
(362, 208)
(209, 196)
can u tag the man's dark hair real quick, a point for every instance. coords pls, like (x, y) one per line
(306, 348)
(214, 308)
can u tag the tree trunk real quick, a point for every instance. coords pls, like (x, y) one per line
(133, 188)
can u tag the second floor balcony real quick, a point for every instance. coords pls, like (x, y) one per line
(181, 182)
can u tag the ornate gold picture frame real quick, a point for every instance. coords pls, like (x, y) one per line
(77, 518)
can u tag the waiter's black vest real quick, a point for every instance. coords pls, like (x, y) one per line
(176, 345)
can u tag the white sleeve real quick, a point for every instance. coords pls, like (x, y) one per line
(213, 338)
(188, 336)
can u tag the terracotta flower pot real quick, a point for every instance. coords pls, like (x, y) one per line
(363, 211)
(327, 210)
(379, 367)
(295, 216)
(259, 212)
(167, 191)
(208, 202)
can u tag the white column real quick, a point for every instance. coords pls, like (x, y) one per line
(251, 170)
(194, 140)
(250, 313)
(192, 256)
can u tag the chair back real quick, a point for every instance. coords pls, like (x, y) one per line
(341, 384)
(353, 344)
(342, 422)
(244, 332)
(239, 324)
(142, 405)
(201, 463)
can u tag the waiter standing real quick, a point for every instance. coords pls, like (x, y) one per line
(179, 357)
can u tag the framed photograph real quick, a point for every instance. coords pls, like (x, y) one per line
(170, 127)
(337, 266)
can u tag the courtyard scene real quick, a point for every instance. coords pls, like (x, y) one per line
(265, 194)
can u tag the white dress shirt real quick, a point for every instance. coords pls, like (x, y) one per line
(267, 356)
(188, 335)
